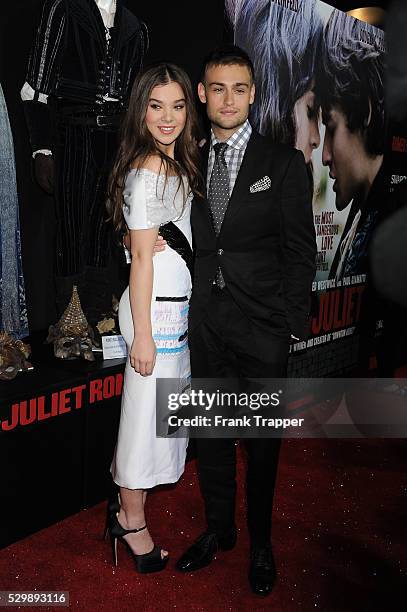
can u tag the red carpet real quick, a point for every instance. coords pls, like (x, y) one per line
(339, 539)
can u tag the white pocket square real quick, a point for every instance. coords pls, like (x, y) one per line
(262, 185)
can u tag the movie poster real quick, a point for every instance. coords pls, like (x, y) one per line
(319, 88)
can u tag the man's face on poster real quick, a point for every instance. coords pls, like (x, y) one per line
(345, 154)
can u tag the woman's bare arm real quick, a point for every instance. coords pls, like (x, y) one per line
(142, 353)
(158, 247)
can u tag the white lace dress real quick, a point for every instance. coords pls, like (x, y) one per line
(141, 459)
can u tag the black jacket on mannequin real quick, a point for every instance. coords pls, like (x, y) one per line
(71, 61)
(78, 83)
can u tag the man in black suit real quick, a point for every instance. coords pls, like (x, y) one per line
(255, 261)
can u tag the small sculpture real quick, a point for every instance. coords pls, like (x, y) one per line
(109, 324)
(72, 336)
(13, 356)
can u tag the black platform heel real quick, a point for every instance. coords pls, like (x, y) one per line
(112, 509)
(147, 563)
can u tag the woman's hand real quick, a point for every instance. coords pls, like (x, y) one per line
(142, 354)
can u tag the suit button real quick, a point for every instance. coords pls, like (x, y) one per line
(220, 251)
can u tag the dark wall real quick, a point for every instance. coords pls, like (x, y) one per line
(181, 32)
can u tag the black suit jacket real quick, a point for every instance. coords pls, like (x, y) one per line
(266, 247)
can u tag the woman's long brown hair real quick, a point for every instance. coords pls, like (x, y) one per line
(137, 143)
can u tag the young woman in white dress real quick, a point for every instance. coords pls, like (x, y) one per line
(151, 187)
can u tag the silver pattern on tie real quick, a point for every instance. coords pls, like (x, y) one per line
(218, 196)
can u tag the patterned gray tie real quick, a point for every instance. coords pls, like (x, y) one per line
(218, 196)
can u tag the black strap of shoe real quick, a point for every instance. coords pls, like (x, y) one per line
(134, 530)
(117, 530)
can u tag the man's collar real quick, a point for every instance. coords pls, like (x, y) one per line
(238, 139)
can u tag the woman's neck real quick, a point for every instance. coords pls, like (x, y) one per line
(168, 150)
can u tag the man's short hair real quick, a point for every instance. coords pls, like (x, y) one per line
(227, 55)
(351, 77)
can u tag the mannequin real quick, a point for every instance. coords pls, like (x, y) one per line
(13, 311)
(81, 69)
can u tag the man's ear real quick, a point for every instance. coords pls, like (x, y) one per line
(252, 93)
(201, 92)
(367, 121)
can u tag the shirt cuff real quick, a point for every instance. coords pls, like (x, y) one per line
(27, 94)
(127, 255)
(43, 151)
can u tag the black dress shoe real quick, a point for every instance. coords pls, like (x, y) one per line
(203, 550)
(262, 572)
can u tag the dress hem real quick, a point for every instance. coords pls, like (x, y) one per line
(162, 479)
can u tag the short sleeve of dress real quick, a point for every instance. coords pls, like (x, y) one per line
(148, 200)
(135, 202)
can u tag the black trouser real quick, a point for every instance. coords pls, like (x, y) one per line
(86, 253)
(224, 345)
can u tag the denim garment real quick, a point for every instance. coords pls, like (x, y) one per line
(13, 311)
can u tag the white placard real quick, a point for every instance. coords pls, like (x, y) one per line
(114, 347)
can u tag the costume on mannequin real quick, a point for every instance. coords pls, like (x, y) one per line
(81, 70)
(13, 312)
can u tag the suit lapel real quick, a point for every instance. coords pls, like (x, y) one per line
(204, 165)
(243, 179)
(203, 202)
(93, 25)
(127, 25)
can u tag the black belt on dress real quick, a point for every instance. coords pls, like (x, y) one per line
(171, 299)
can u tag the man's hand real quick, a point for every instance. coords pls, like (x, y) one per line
(44, 172)
(160, 244)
